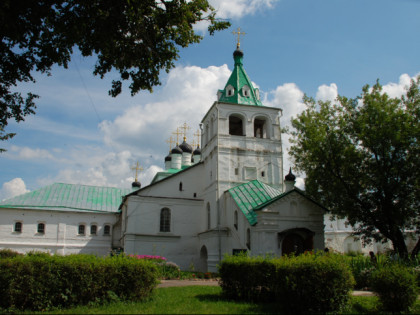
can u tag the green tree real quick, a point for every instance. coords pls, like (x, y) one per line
(361, 158)
(137, 38)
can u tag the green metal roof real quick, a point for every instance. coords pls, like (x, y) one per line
(238, 79)
(69, 197)
(252, 196)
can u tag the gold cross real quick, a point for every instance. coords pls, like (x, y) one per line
(137, 168)
(239, 33)
(185, 127)
(177, 133)
(171, 141)
(197, 134)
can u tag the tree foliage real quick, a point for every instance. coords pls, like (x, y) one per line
(362, 160)
(137, 38)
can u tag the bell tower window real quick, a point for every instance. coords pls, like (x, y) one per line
(235, 126)
(259, 128)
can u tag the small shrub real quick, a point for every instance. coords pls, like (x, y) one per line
(396, 287)
(8, 253)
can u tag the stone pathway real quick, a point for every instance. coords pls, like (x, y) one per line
(215, 283)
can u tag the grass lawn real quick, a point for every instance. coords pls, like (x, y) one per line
(206, 300)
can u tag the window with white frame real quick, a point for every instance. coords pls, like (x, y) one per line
(81, 229)
(18, 227)
(41, 228)
(165, 220)
(93, 229)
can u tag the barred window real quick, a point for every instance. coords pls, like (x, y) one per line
(107, 230)
(165, 220)
(81, 229)
(41, 228)
(18, 227)
(93, 229)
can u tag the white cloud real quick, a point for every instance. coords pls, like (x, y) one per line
(327, 93)
(13, 188)
(239, 8)
(185, 97)
(397, 89)
(236, 9)
(26, 153)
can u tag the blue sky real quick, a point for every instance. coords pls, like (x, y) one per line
(318, 47)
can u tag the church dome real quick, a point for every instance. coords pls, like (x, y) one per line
(185, 147)
(176, 150)
(290, 176)
(197, 151)
(136, 184)
(238, 53)
(168, 158)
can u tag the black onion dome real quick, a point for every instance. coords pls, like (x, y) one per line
(290, 176)
(176, 150)
(135, 184)
(238, 53)
(168, 158)
(197, 151)
(185, 147)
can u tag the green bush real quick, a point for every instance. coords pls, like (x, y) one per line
(8, 253)
(40, 282)
(247, 278)
(307, 283)
(396, 286)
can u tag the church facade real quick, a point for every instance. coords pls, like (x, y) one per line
(230, 195)
(226, 197)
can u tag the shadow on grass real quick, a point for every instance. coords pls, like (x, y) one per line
(257, 308)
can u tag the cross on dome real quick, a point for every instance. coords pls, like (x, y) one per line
(239, 33)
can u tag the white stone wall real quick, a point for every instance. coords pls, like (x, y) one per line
(141, 219)
(61, 231)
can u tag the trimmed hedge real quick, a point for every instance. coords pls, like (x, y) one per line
(310, 283)
(41, 282)
(396, 286)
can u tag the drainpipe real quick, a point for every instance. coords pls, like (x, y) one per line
(217, 189)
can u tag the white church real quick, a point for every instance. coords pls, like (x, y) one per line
(228, 196)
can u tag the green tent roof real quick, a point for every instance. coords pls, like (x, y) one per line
(69, 197)
(238, 79)
(252, 196)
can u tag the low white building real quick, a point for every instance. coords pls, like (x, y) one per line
(62, 219)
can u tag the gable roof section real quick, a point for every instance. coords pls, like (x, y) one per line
(251, 196)
(254, 196)
(69, 197)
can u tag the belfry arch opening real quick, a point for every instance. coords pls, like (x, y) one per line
(235, 125)
(260, 128)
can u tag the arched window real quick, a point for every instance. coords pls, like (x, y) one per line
(246, 91)
(235, 126)
(235, 220)
(81, 229)
(107, 230)
(260, 128)
(230, 90)
(180, 186)
(93, 229)
(248, 239)
(208, 217)
(18, 227)
(165, 220)
(41, 228)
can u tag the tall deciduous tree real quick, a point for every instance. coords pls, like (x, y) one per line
(137, 38)
(362, 160)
